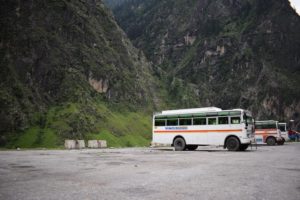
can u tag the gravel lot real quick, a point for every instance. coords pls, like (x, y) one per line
(144, 173)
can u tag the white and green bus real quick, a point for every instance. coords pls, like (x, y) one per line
(187, 129)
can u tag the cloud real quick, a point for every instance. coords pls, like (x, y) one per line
(296, 4)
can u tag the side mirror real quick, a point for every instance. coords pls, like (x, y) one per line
(245, 119)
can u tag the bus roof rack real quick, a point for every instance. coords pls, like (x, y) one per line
(191, 110)
(266, 121)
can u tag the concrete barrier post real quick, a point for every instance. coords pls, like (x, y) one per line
(93, 144)
(102, 143)
(97, 144)
(80, 144)
(70, 144)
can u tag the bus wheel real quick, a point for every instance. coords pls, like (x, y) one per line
(179, 144)
(192, 147)
(232, 144)
(243, 147)
(271, 141)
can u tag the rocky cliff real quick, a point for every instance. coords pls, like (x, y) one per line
(114, 3)
(231, 53)
(59, 61)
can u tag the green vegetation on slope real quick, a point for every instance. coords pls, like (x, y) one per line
(77, 121)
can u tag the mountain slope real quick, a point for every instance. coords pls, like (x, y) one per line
(67, 69)
(234, 53)
(114, 3)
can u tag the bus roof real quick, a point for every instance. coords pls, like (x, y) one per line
(266, 122)
(200, 112)
(190, 111)
(282, 123)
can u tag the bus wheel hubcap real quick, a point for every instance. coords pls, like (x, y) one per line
(231, 144)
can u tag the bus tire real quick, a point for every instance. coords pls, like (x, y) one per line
(192, 147)
(179, 144)
(271, 141)
(232, 144)
(243, 147)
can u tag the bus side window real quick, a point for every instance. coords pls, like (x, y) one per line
(235, 120)
(223, 120)
(212, 121)
(160, 122)
(272, 126)
(172, 122)
(259, 126)
(185, 122)
(199, 121)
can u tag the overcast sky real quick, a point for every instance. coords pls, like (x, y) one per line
(296, 4)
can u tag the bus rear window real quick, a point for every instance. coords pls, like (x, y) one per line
(160, 122)
(172, 122)
(185, 122)
(235, 120)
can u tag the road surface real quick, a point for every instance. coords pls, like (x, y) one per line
(145, 173)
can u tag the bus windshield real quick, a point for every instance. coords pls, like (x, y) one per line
(282, 127)
(248, 118)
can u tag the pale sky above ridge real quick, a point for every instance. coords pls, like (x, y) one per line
(296, 4)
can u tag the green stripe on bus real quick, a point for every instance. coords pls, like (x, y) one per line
(232, 113)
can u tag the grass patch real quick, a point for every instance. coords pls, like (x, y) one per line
(36, 137)
(125, 130)
(27, 139)
(120, 128)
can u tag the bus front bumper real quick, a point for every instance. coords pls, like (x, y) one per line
(247, 140)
